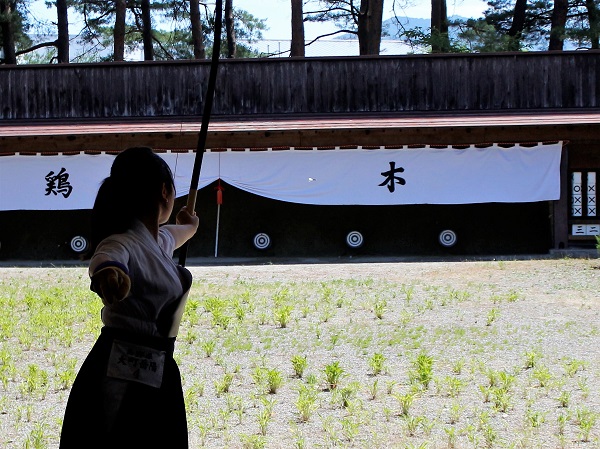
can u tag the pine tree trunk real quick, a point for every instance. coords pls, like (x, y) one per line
(8, 42)
(62, 43)
(197, 37)
(230, 29)
(517, 26)
(370, 20)
(557, 28)
(439, 27)
(119, 31)
(297, 47)
(594, 20)
(147, 31)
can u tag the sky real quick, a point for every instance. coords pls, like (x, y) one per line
(277, 14)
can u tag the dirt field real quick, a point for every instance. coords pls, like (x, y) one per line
(480, 322)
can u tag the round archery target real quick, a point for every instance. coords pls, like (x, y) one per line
(354, 239)
(448, 238)
(262, 241)
(79, 244)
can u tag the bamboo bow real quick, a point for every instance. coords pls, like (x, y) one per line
(210, 93)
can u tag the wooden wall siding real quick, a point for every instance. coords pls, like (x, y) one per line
(524, 81)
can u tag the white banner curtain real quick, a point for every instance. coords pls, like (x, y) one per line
(68, 182)
(322, 177)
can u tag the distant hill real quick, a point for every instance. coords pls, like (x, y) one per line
(393, 26)
(392, 29)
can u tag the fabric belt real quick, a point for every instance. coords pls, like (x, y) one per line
(166, 344)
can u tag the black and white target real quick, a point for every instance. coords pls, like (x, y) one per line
(262, 241)
(79, 244)
(354, 239)
(448, 238)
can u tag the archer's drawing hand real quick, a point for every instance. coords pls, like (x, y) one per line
(112, 285)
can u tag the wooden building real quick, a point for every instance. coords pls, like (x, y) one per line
(387, 102)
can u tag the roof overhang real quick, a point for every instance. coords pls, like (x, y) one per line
(315, 130)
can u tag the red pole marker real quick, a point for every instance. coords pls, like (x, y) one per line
(219, 190)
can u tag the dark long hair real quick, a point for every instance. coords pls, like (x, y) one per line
(132, 191)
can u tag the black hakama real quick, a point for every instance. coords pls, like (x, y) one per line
(110, 412)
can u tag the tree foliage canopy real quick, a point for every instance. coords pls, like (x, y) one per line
(182, 29)
(171, 31)
(515, 25)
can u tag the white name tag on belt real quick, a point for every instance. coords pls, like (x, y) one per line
(136, 363)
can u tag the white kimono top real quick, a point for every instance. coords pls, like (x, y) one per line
(155, 278)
